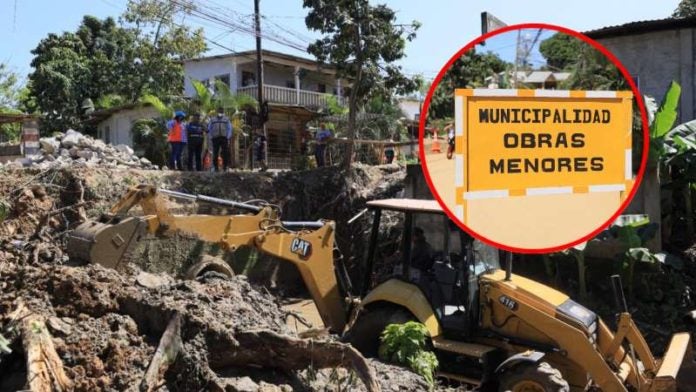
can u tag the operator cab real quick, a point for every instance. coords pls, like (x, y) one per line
(433, 254)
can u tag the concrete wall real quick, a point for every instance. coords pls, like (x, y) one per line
(657, 58)
(410, 107)
(205, 70)
(117, 128)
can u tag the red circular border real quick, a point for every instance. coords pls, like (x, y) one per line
(596, 45)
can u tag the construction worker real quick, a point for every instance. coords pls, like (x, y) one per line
(176, 135)
(220, 134)
(322, 138)
(195, 135)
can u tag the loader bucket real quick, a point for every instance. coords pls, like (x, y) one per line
(678, 357)
(102, 243)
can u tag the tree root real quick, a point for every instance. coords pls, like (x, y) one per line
(167, 352)
(44, 366)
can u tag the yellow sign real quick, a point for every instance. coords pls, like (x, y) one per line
(534, 142)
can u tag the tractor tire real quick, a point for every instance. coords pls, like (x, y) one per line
(533, 377)
(364, 335)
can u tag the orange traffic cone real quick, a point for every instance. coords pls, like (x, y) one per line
(435, 147)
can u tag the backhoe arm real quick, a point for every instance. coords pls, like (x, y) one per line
(308, 245)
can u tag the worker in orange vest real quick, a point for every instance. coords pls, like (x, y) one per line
(176, 135)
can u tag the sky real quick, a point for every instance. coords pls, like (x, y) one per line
(447, 25)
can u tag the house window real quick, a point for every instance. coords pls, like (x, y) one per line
(224, 79)
(334, 91)
(289, 84)
(248, 78)
(321, 88)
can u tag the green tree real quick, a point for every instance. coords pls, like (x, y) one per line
(103, 59)
(469, 71)
(162, 44)
(9, 90)
(685, 9)
(560, 50)
(362, 41)
(594, 71)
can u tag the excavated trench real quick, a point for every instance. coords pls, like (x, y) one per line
(115, 330)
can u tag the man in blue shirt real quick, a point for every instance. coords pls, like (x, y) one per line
(195, 133)
(322, 137)
(220, 134)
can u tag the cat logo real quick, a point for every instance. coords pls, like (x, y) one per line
(301, 247)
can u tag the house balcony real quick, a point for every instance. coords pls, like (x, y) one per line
(290, 96)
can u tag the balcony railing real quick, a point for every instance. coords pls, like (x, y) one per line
(290, 96)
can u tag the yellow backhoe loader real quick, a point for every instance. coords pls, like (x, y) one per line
(488, 327)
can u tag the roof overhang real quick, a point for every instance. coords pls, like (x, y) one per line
(642, 27)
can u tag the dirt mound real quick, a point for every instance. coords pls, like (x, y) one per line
(98, 329)
(106, 327)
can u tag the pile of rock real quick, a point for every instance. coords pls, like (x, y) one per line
(72, 148)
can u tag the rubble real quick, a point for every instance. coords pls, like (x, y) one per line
(107, 327)
(72, 148)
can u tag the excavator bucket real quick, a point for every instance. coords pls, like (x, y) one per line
(104, 243)
(678, 360)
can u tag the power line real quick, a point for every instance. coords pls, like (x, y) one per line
(205, 13)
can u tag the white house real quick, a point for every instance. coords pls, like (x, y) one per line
(411, 106)
(114, 125)
(288, 79)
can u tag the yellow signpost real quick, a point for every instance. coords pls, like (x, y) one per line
(520, 144)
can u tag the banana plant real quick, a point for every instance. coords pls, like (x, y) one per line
(680, 157)
(663, 121)
(627, 230)
(207, 101)
(578, 253)
(150, 134)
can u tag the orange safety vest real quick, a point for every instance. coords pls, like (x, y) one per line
(175, 132)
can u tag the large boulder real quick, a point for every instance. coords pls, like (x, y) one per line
(122, 148)
(49, 145)
(71, 138)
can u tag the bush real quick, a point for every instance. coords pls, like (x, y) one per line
(405, 344)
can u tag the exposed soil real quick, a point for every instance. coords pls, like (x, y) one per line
(106, 325)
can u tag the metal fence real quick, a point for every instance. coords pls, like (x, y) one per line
(286, 157)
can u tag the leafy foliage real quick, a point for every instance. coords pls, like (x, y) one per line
(667, 112)
(363, 42)
(591, 70)
(104, 59)
(9, 91)
(405, 344)
(10, 131)
(685, 9)
(560, 50)
(469, 71)
(150, 140)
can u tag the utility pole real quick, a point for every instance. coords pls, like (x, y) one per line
(259, 76)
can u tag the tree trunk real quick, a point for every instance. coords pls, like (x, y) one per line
(44, 366)
(688, 213)
(168, 349)
(353, 103)
(652, 198)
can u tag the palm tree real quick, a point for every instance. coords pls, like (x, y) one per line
(150, 134)
(207, 102)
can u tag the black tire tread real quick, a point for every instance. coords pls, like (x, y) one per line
(541, 372)
(364, 335)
